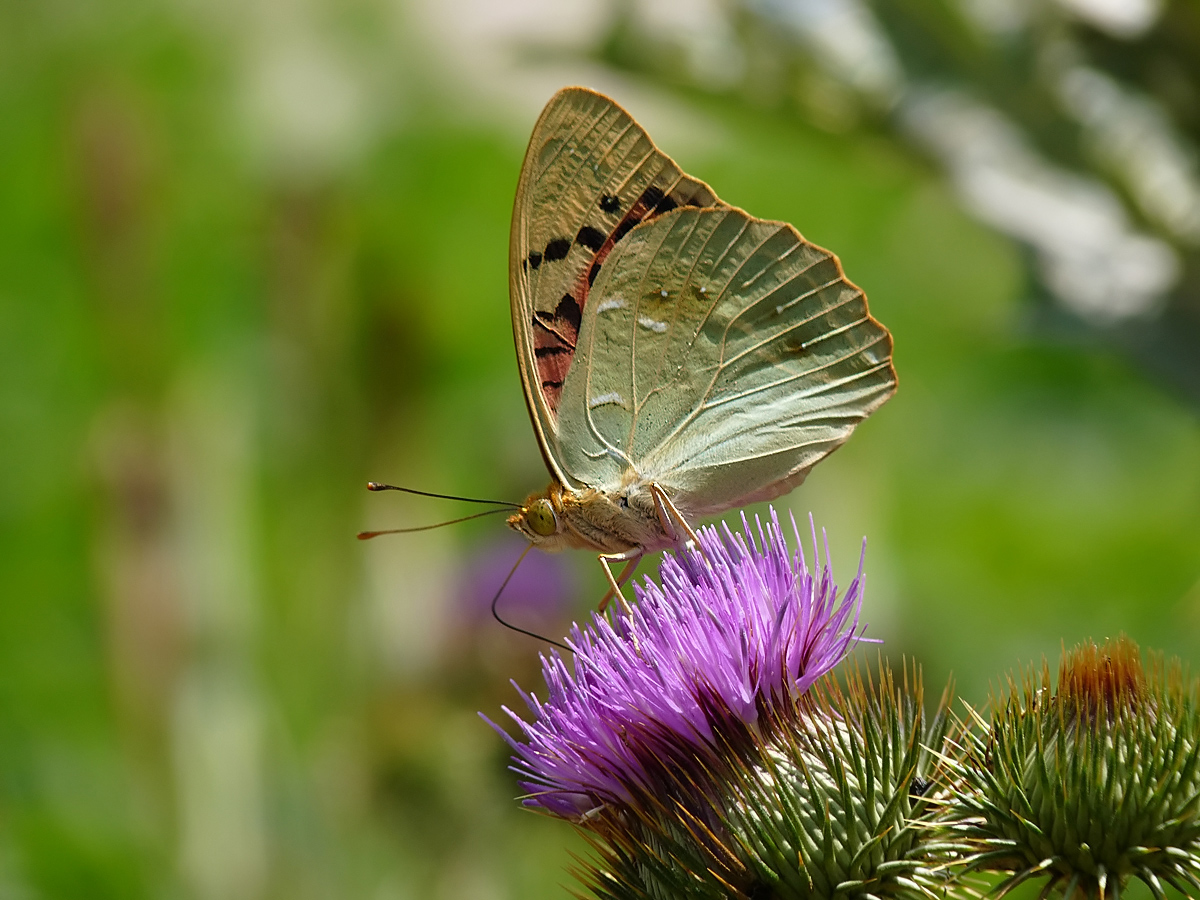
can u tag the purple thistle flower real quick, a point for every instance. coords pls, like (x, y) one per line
(698, 667)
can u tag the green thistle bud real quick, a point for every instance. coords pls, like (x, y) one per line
(821, 804)
(1086, 787)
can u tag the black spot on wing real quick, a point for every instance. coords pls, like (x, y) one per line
(551, 384)
(666, 204)
(533, 260)
(568, 310)
(557, 249)
(646, 208)
(610, 204)
(539, 352)
(592, 273)
(624, 228)
(592, 238)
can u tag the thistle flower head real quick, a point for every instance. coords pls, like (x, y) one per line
(1086, 786)
(832, 806)
(736, 631)
(706, 752)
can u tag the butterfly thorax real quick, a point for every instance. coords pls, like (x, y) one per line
(608, 520)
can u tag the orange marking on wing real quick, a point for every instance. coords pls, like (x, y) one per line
(637, 213)
(553, 350)
(555, 333)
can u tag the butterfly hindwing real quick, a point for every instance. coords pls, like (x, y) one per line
(591, 176)
(721, 354)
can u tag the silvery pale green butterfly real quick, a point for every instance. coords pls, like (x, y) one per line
(679, 357)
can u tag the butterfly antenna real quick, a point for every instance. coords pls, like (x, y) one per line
(367, 535)
(509, 625)
(380, 486)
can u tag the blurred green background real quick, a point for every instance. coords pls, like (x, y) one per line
(253, 254)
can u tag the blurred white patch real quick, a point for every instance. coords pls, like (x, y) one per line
(218, 758)
(216, 717)
(489, 51)
(701, 28)
(484, 46)
(846, 39)
(1090, 257)
(999, 18)
(305, 107)
(212, 463)
(1120, 18)
(1132, 136)
(408, 590)
(509, 28)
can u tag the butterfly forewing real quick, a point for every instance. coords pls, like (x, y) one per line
(722, 356)
(590, 177)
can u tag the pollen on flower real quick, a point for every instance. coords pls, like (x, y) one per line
(1113, 794)
(1095, 681)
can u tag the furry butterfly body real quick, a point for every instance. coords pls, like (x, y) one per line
(679, 357)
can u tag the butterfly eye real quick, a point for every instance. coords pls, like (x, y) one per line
(541, 518)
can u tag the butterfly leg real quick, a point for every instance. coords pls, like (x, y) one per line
(671, 518)
(631, 558)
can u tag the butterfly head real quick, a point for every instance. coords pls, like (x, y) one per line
(540, 519)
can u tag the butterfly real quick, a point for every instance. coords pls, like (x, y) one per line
(679, 357)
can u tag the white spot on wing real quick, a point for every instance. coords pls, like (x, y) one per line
(652, 324)
(605, 399)
(610, 303)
